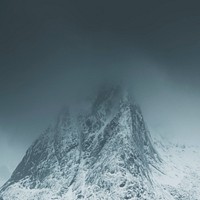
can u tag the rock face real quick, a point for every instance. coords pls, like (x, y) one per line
(102, 153)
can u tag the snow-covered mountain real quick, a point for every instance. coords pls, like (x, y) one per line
(179, 175)
(103, 152)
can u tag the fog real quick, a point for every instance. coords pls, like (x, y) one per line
(56, 53)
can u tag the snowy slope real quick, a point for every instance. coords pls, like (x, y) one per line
(179, 178)
(105, 152)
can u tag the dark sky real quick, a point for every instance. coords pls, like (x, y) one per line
(53, 51)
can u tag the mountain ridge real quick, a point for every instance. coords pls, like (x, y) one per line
(104, 153)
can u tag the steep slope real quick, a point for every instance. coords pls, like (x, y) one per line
(104, 153)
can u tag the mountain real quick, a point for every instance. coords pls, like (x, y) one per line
(104, 151)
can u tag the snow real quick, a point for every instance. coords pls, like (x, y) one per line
(180, 170)
(106, 153)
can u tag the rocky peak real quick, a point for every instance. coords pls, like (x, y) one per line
(101, 149)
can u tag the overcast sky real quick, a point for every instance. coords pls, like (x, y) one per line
(51, 52)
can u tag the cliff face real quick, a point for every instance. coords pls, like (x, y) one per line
(103, 153)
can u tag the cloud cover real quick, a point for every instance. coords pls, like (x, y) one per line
(54, 53)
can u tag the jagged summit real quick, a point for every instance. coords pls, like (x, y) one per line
(102, 153)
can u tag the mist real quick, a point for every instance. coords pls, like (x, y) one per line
(57, 54)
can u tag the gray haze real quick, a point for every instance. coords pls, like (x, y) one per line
(54, 53)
